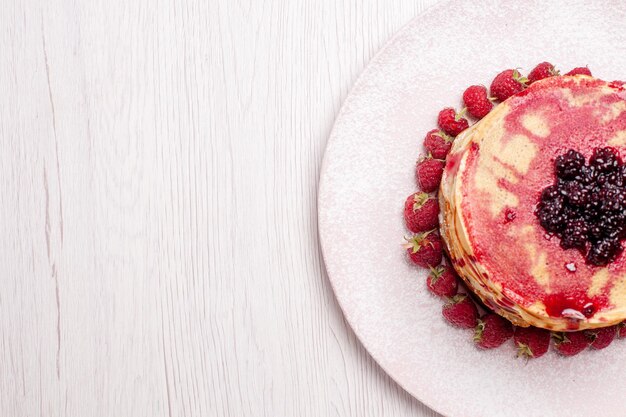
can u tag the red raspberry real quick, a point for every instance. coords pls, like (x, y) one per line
(425, 249)
(428, 174)
(492, 331)
(476, 101)
(621, 330)
(531, 342)
(438, 143)
(421, 212)
(461, 312)
(570, 343)
(541, 71)
(580, 71)
(601, 338)
(507, 83)
(452, 122)
(442, 281)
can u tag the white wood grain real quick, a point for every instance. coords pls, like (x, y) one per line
(158, 169)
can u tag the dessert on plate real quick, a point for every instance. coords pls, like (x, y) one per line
(533, 205)
(529, 205)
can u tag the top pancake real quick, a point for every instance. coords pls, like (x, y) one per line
(493, 179)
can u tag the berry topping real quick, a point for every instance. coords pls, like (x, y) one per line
(477, 102)
(541, 71)
(605, 160)
(428, 173)
(424, 249)
(604, 251)
(442, 281)
(438, 143)
(586, 206)
(569, 165)
(571, 343)
(492, 331)
(575, 234)
(421, 212)
(507, 83)
(461, 312)
(531, 342)
(579, 70)
(452, 122)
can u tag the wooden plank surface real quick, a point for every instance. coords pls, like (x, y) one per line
(158, 169)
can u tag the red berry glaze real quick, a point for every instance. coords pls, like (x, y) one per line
(438, 143)
(580, 71)
(507, 83)
(621, 330)
(531, 342)
(601, 338)
(452, 122)
(492, 331)
(421, 212)
(428, 174)
(442, 281)
(424, 249)
(476, 101)
(461, 312)
(570, 343)
(541, 71)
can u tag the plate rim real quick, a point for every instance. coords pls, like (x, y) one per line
(332, 138)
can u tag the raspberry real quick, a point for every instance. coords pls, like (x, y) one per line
(531, 342)
(461, 312)
(438, 144)
(507, 83)
(421, 212)
(452, 122)
(541, 71)
(428, 174)
(476, 101)
(492, 331)
(580, 70)
(601, 338)
(424, 249)
(571, 343)
(442, 281)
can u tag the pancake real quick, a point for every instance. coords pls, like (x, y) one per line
(490, 189)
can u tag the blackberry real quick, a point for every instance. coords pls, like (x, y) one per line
(616, 178)
(569, 165)
(586, 206)
(550, 193)
(587, 175)
(604, 251)
(595, 233)
(612, 198)
(605, 159)
(574, 235)
(575, 193)
(611, 226)
(549, 214)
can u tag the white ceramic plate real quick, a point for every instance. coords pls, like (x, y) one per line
(368, 172)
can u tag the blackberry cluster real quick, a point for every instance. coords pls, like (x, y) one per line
(586, 206)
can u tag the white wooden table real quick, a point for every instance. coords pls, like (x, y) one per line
(158, 172)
